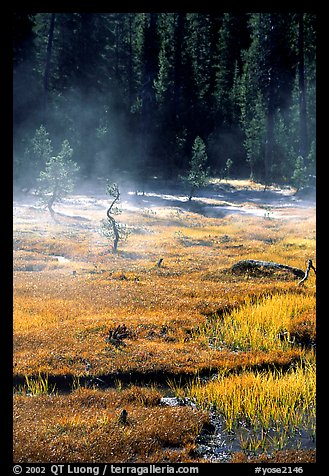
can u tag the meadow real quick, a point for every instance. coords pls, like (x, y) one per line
(236, 350)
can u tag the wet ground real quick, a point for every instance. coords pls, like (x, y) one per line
(216, 445)
(216, 201)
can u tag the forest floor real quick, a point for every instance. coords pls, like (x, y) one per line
(208, 364)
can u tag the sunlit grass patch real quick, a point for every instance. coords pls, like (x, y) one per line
(38, 385)
(259, 397)
(243, 184)
(262, 324)
(264, 408)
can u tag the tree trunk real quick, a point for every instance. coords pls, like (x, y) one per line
(113, 222)
(268, 159)
(116, 233)
(178, 66)
(46, 75)
(52, 200)
(303, 139)
(130, 61)
(50, 205)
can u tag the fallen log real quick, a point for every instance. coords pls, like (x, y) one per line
(246, 265)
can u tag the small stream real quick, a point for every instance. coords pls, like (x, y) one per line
(214, 443)
(211, 443)
(61, 259)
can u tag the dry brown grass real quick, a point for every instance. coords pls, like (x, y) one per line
(288, 456)
(85, 427)
(63, 311)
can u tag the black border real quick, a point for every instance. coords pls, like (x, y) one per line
(6, 348)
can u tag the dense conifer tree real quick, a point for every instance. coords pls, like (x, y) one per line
(132, 90)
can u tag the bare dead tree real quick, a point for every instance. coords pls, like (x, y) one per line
(308, 269)
(115, 192)
(111, 228)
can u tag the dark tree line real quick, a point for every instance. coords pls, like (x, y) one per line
(132, 91)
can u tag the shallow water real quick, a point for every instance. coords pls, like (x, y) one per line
(61, 259)
(216, 445)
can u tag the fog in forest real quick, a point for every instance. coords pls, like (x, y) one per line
(133, 93)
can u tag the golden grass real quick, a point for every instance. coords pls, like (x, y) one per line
(265, 409)
(261, 324)
(263, 399)
(85, 427)
(189, 317)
